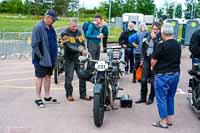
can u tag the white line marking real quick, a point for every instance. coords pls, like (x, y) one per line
(180, 91)
(13, 73)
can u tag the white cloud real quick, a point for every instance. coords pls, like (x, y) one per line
(95, 3)
(90, 3)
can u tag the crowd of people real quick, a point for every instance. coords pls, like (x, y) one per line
(156, 51)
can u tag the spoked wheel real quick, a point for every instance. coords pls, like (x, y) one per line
(56, 73)
(98, 109)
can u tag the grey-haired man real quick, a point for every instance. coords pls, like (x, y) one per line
(166, 64)
(44, 52)
(74, 46)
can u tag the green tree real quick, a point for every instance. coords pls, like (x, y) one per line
(104, 8)
(178, 11)
(160, 13)
(129, 6)
(146, 7)
(170, 11)
(73, 7)
(197, 10)
(116, 10)
(61, 6)
(188, 11)
(38, 8)
(4, 7)
(11, 6)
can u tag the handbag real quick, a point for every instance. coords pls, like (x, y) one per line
(138, 74)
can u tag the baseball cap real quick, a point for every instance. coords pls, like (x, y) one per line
(52, 13)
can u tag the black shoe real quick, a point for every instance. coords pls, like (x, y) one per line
(39, 103)
(140, 101)
(51, 100)
(149, 102)
(134, 80)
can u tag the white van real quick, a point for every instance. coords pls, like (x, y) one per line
(138, 17)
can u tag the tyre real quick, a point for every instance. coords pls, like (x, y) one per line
(56, 73)
(98, 109)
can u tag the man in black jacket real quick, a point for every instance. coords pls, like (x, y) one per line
(194, 47)
(74, 46)
(123, 41)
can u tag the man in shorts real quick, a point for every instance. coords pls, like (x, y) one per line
(44, 54)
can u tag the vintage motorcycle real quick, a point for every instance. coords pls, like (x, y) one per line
(105, 78)
(59, 66)
(194, 83)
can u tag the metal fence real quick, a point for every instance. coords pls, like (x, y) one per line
(17, 44)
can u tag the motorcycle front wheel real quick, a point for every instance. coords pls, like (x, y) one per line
(98, 109)
(56, 73)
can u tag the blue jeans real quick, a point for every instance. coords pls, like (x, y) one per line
(195, 60)
(165, 90)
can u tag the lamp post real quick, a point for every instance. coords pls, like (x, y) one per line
(109, 14)
(51, 2)
(78, 13)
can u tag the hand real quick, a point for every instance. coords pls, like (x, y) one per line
(100, 36)
(135, 45)
(151, 68)
(153, 35)
(141, 62)
(124, 46)
(84, 53)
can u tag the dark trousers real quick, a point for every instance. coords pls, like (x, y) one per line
(136, 63)
(147, 76)
(105, 43)
(70, 66)
(195, 60)
(94, 50)
(128, 59)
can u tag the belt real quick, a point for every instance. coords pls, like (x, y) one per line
(169, 73)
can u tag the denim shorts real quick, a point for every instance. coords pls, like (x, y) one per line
(41, 71)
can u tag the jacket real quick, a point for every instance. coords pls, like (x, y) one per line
(137, 38)
(104, 30)
(123, 39)
(91, 34)
(73, 44)
(194, 46)
(145, 46)
(40, 45)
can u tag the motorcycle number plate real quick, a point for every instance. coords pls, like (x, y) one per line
(101, 66)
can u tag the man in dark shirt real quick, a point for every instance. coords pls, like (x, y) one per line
(123, 41)
(166, 64)
(194, 47)
(74, 46)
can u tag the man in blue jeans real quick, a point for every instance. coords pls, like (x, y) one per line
(166, 64)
